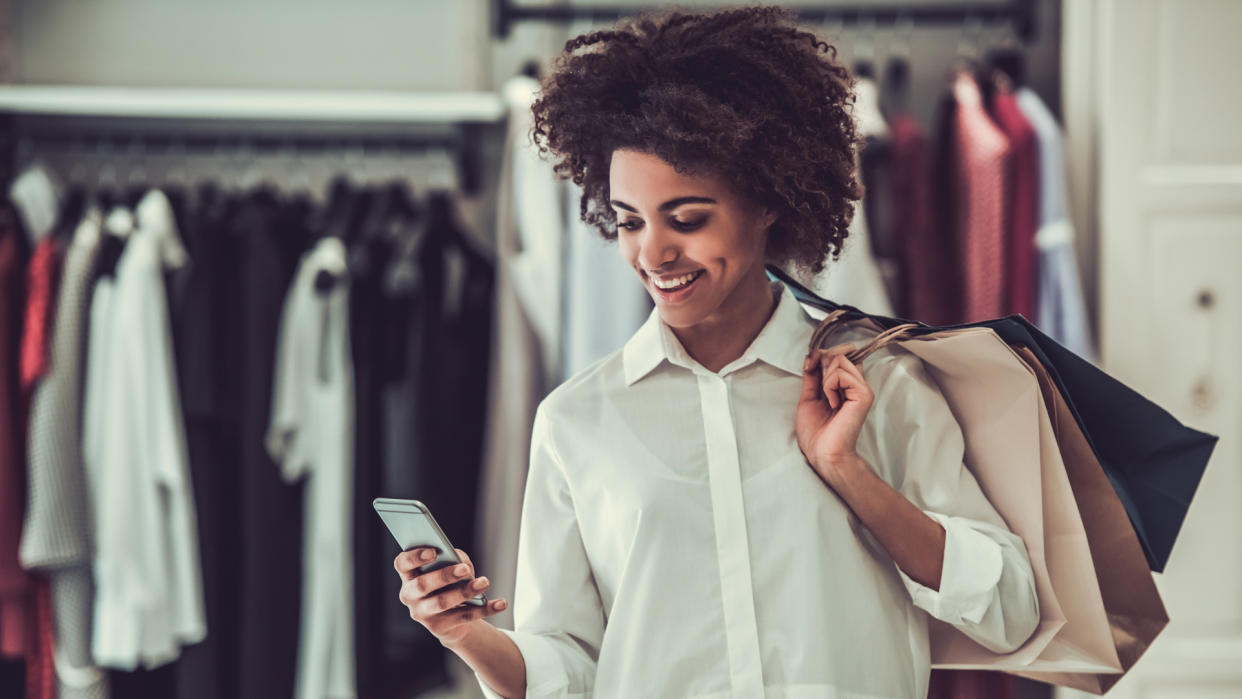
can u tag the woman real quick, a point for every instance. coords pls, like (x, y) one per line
(710, 511)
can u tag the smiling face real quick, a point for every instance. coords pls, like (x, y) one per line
(696, 246)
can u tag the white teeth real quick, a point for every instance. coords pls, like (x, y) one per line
(671, 283)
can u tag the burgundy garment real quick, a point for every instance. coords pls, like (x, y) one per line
(40, 663)
(1021, 203)
(42, 283)
(983, 153)
(910, 183)
(13, 583)
(971, 684)
(935, 292)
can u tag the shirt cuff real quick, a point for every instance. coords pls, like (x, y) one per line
(968, 578)
(545, 674)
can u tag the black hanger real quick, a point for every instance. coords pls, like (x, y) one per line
(895, 89)
(1011, 62)
(134, 194)
(70, 214)
(322, 219)
(864, 69)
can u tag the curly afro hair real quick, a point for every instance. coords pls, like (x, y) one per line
(741, 93)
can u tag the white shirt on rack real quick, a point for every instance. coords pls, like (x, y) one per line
(311, 435)
(148, 584)
(675, 542)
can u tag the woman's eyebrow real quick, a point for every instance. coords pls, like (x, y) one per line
(670, 204)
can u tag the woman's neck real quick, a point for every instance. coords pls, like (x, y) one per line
(724, 336)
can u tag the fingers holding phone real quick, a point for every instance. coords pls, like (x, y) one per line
(438, 599)
(438, 585)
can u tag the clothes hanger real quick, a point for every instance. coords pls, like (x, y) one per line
(34, 193)
(71, 212)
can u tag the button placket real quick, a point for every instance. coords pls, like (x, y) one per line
(732, 544)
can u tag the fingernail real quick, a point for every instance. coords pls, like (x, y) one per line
(461, 570)
(425, 555)
(501, 604)
(479, 583)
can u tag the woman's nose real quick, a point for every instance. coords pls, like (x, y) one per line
(657, 247)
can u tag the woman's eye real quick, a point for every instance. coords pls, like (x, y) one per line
(632, 225)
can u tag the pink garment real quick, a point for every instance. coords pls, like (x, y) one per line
(982, 160)
(1022, 200)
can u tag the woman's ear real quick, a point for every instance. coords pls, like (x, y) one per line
(769, 217)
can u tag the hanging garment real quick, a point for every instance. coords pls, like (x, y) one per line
(912, 212)
(982, 160)
(148, 581)
(936, 280)
(523, 356)
(202, 300)
(1060, 310)
(42, 286)
(855, 277)
(604, 304)
(874, 161)
(57, 536)
(370, 325)
(265, 240)
(536, 208)
(1021, 202)
(13, 579)
(311, 436)
(649, 468)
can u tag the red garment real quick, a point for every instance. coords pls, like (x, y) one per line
(42, 284)
(12, 452)
(1022, 200)
(983, 153)
(912, 217)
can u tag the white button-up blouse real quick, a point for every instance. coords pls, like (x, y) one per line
(675, 542)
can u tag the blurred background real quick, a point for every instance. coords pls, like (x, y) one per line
(265, 261)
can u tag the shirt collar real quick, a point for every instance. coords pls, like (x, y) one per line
(782, 342)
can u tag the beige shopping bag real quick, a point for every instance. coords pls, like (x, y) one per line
(1012, 450)
(1136, 614)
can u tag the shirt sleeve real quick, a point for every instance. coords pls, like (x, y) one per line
(558, 617)
(286, 440)
(987, 587)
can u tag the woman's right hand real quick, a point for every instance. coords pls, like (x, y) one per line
(435, 599)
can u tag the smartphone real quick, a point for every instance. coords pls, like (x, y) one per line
(412, 525)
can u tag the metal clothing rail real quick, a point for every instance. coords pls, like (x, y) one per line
(128, 121)
(1021, 13)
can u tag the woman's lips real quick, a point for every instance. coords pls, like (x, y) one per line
(679, 293)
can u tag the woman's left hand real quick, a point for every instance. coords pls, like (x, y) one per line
(834, 403)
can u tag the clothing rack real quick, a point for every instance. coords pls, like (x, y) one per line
(124, 122)
(1020, 13)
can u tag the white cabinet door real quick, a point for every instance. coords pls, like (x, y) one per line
(1169, 96)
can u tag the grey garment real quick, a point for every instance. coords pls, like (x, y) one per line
(73, 595)
(1060, 310)
(56, 535)
(604, 301)
(56, 530)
